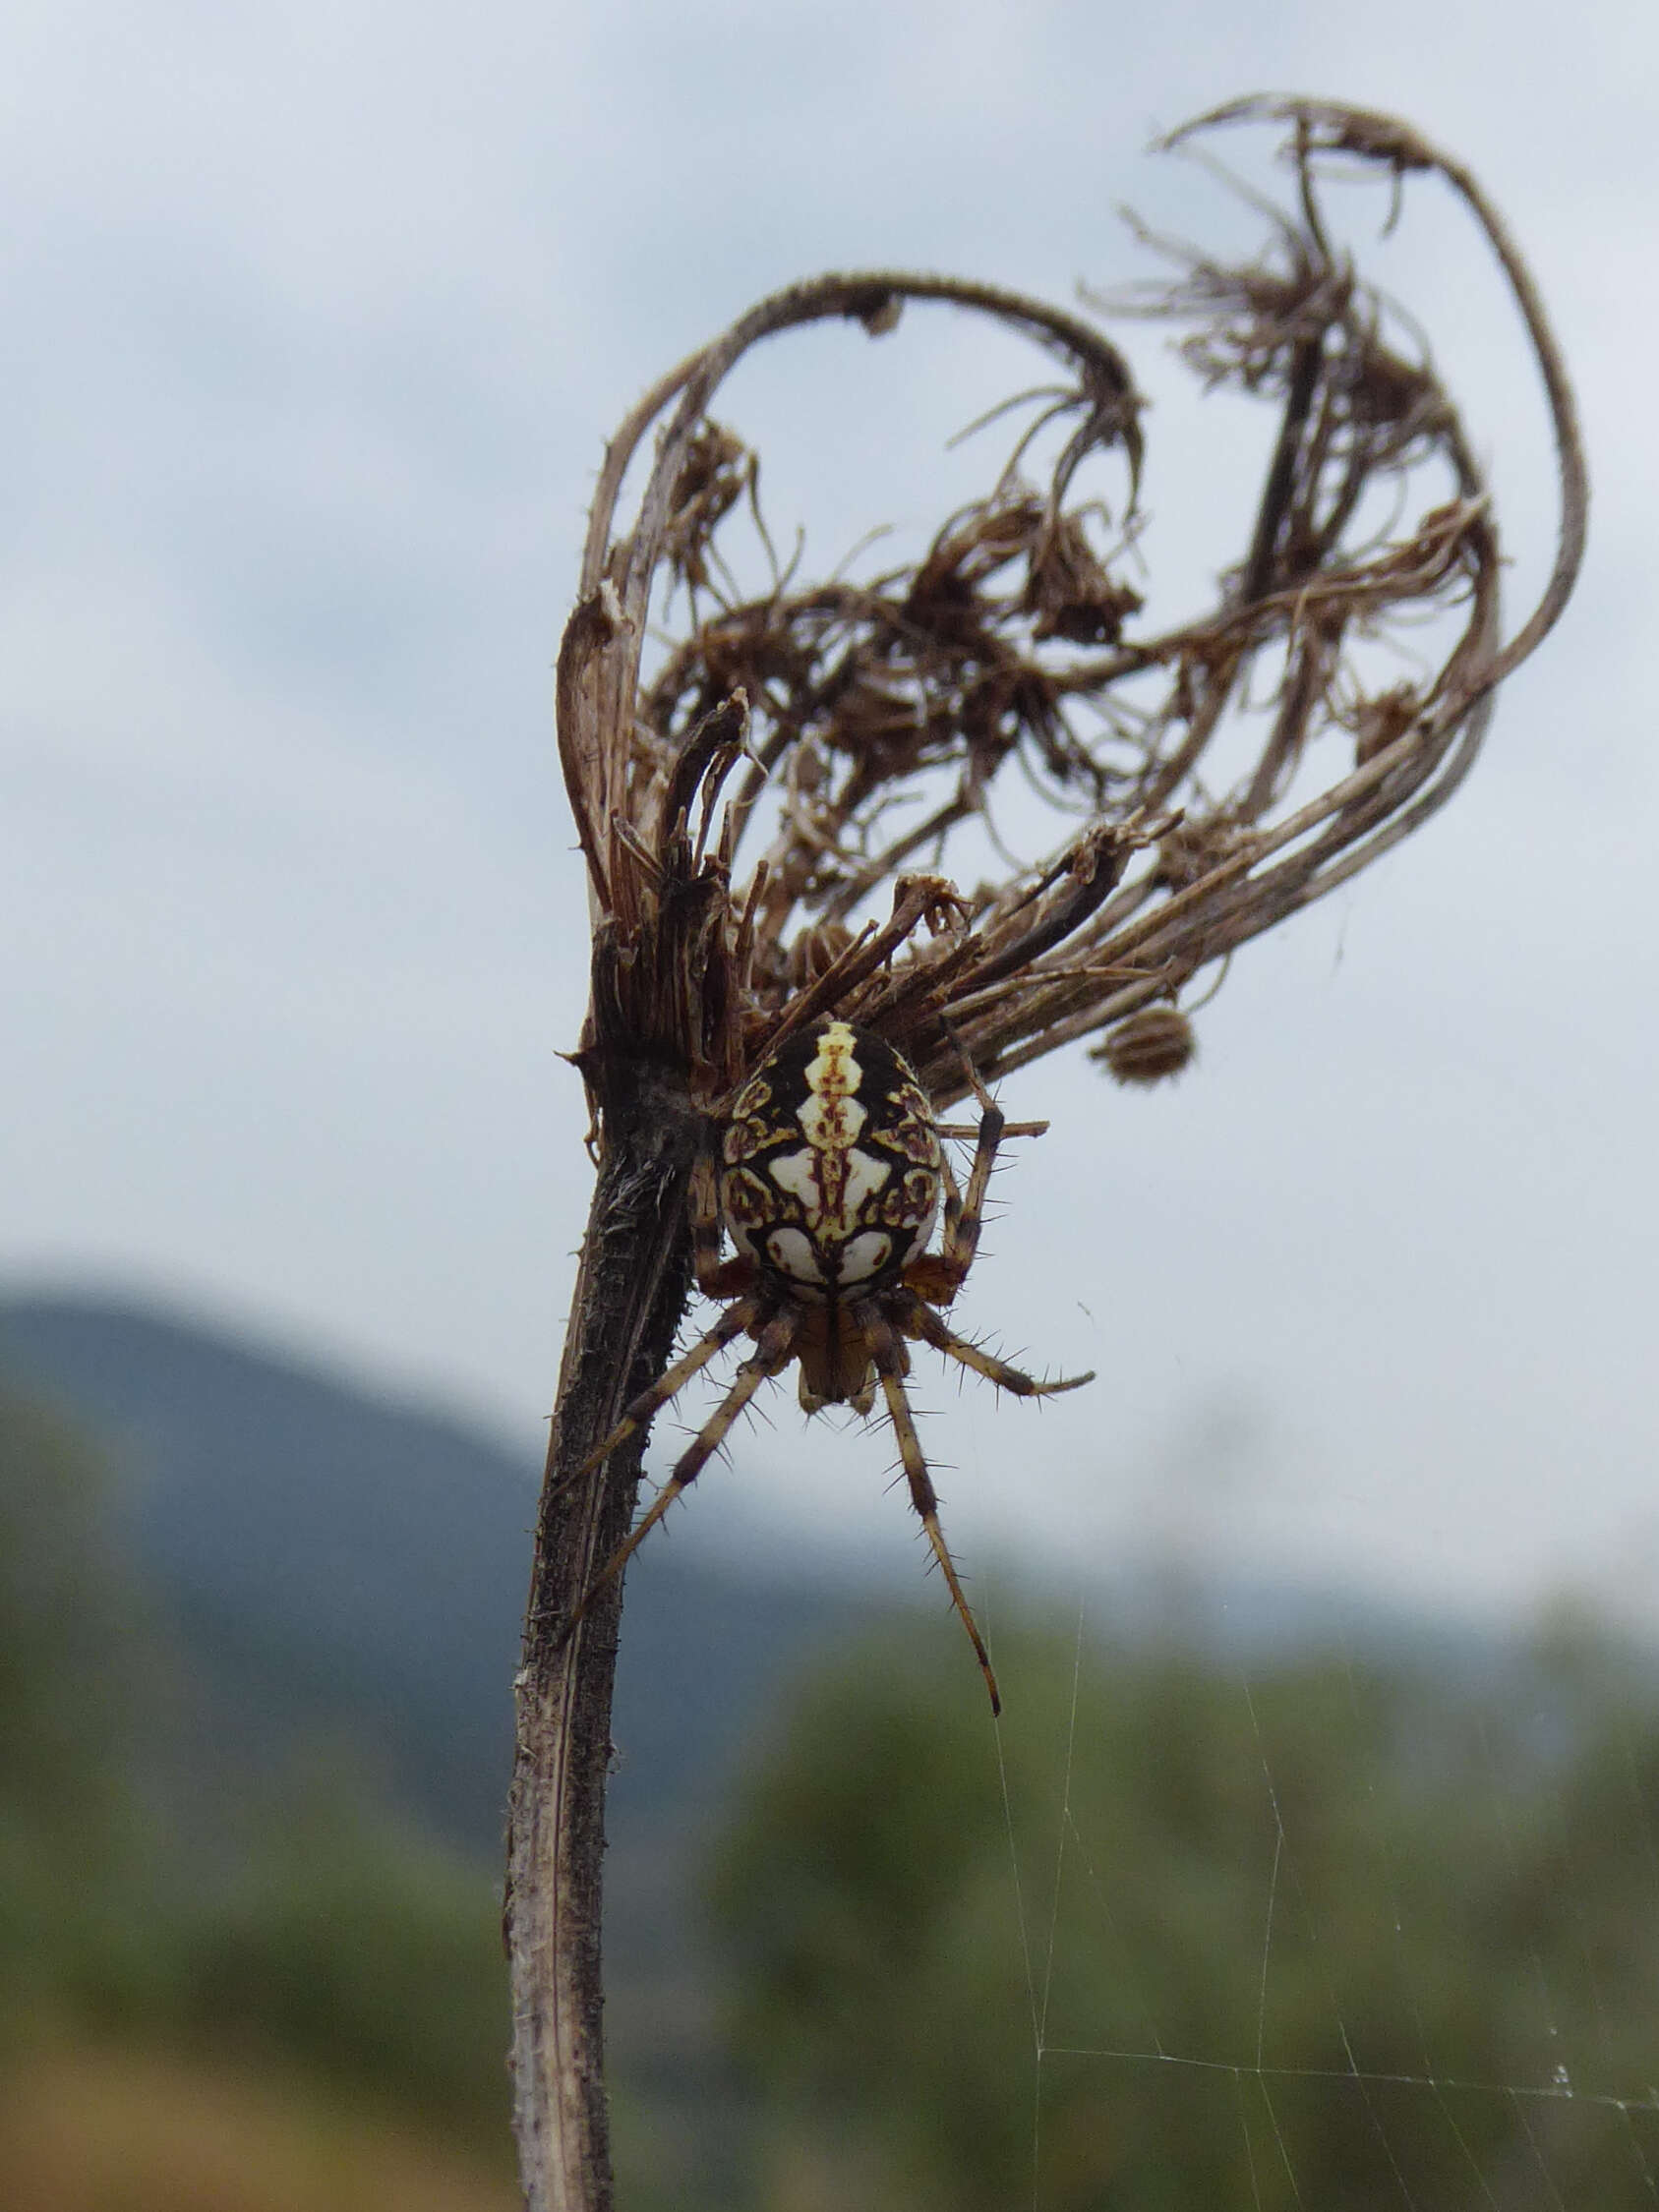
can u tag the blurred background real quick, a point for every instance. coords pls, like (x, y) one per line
(1317, 1859)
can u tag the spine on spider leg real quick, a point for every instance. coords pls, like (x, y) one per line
(632, 1291)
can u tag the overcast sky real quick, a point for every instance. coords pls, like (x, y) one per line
(316, 318)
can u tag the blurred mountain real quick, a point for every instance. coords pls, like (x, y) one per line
(333, 1567)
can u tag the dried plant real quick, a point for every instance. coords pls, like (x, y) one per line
(768, 791)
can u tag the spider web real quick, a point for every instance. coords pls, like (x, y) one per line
(1567, 2125)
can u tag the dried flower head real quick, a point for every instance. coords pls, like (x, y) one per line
(1150, 1047)
(755, 807)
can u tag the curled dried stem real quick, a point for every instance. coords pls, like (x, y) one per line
(1012, 638)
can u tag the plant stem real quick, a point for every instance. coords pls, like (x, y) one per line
(630, 1294)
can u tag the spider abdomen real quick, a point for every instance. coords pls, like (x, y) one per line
(831, 1168)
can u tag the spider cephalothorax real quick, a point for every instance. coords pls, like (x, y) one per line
(829, 1178)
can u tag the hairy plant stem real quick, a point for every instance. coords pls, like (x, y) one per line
(632, 1291)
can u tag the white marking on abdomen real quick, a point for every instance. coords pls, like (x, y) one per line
(830, 1120)
(866, 1256)
(798, 1174)
(793, 1254)
(833, 1069)
(866, 1174)
(918, 1242)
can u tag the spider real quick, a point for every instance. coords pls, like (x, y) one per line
(828, 1181)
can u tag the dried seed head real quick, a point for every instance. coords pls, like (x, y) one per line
(718, 470)
(1150, 1047)
(741, 863)
(1377, 722)
(816, 950)
(1191, 847)
(1071, 593)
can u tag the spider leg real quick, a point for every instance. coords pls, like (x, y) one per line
(966, 1131)
(962, 1237)
(920, 1320)
(939, 1275)
(771, 1354)
(732, 1322)
(891, 1360)
(716, 1277)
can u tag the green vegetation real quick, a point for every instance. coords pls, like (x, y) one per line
(377, 1959)
(1314, 1923)
(72, 1663)
(254, 1736)
(1254, 1909)
(302, 1927)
